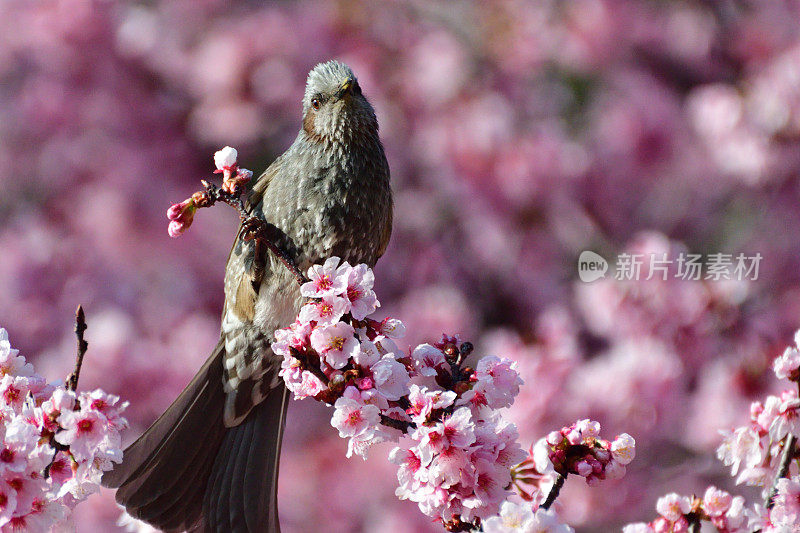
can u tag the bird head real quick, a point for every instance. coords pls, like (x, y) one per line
(334, 108)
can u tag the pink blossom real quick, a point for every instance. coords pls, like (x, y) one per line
(520, 518)
(83, 431)
(392, 328)
(10, 362)
(514, 517)
(716, 502)
(502, 380)
(614, 470)
(61, 400)
(106, 404)
(788, 420)
(359, 293)
(326, 311)
(489, 490)
(787, 365)
(412, 470)
(390, 377)
(589, 429)
(423, 401)
(27, 487)
(329, 279)
(296, 336)
(787, 501)
(741, 446)
(673, 506)
(353, 418)
(8, 503)
(427, 359)
(61, 469)
(367, 354)
(14, 390)
(623, 449)
(336, 343)
(457, 428)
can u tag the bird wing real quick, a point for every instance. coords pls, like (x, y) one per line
(249, 372)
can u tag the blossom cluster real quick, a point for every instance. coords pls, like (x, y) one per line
(56, 444)
(456, 458)
(578, 449)
(760, 454)
(725, 512)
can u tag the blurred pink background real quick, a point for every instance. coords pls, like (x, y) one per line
(518, 133)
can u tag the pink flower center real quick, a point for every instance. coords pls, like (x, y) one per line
(3, 500)
(336, 343)
(353, 294)
(325, 309)
(6, 455)
(323, 283)
(15, 483)
(354, 418)
(85, 426)
(11, 394)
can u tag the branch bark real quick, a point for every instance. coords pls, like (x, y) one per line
(783, 469)
(554, 491)
(80, 326)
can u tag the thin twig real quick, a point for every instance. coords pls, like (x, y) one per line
(694, 523)
(80, 327)
(783, 469)
(554, 491)
(402, 425)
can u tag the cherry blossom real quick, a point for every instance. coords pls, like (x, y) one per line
(353, 418)
(328, 279)
(335, 343)
(225, 158)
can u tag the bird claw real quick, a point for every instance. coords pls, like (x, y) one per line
(253, 228)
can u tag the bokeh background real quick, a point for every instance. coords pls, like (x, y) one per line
(518, 134)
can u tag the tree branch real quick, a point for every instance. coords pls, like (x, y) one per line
(402, 425)
(786, 459)
(80, 326)
(554, 491)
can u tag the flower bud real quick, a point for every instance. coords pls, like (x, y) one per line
(180, 216)
(225, 158)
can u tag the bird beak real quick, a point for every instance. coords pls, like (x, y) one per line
(346, 87)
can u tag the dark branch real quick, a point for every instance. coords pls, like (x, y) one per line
(694, 523)
(554, 491)
(786, 460)
(80, 326)
(402, 425)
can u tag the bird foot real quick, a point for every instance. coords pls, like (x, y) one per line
(253, 228)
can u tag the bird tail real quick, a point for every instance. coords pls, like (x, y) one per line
(189, 472)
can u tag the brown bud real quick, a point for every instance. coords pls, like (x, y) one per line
(461, 387)
(201, 199)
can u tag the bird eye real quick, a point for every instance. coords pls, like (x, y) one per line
(315, 103)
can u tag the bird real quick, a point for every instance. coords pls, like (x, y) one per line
(210, 462)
